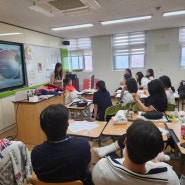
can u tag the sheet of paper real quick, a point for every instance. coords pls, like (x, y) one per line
(163, 131)
(82, 125)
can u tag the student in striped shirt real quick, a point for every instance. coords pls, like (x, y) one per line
(143, 142)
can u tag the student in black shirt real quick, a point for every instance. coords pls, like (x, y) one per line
(60, 158)
(157, 99)
(101, 100)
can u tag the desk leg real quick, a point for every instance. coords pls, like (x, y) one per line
(99, 141)
(182, 158)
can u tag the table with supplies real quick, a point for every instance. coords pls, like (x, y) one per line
(73, 108)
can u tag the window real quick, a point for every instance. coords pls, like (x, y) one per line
(80, 54)
(182, 46)
(128, 50)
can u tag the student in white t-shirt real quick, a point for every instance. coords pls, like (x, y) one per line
(130, 87)
(150, 74)
(143, 142)
(142, 81)
(169, 89)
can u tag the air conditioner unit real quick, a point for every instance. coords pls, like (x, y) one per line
(73, 5)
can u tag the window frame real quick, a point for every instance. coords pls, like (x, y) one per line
(129, 47)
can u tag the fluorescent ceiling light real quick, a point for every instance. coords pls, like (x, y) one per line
(8, 34)
(41, 10)
(174, 13)
(72, 27)
(126, 20)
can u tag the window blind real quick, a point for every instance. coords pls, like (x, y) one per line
(182, 36)
(129, 43)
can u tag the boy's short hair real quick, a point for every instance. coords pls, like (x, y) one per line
(144, 141)
(54, 121)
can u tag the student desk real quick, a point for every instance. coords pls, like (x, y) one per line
(175, 131)
(117, 130)
(93, 134)
(27, 117)
(80, 109)
(88, 93)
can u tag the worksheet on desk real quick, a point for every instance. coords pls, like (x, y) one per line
(82, 125)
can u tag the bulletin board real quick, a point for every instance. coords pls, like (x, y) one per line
(40, 63)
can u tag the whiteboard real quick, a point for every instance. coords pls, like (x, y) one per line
(40, 63)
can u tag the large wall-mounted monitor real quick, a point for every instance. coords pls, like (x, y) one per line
(12, 66)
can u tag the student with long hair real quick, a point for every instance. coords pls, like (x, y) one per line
(169, 89)
(57, 76)
(130, 87)
(150, 74)
(157, 99)
(101, 100)
(128, 71)
(141, 80)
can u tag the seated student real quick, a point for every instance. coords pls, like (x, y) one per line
(60, 158)
(122, 83)
(156, 101)
(150, 74)
(101, 100)
(143, 142)
(131, 87)
(71, 92)
(141, 80)
(169, 89)
(127, 72)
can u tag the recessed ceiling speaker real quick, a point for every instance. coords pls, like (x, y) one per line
(66, 43)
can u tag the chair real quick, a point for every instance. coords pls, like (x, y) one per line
(34, 181)
(126, 106)
(135, 108)
(110, 111)
(170, 107)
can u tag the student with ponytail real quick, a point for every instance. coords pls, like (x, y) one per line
(169, 89)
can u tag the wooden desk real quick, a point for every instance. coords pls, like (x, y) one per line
(80, 109)
(176, 127)
(120, 129)
(93, 134)
(27, 117)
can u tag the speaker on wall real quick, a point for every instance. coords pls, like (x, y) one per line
(66, 43)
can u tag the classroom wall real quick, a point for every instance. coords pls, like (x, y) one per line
(7, 117)
(162, 54)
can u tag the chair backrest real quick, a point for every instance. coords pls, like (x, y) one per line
(34, 181)
(170, 107)
(110, 111)
(126, 106)
(135, 108)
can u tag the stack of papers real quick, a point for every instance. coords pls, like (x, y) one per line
(82, 125)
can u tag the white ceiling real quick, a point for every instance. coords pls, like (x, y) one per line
(17, 12)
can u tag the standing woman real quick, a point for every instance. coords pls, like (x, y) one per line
(169, 89)
(150, 74)
(142, 81)
(57, 76)
(101, 101)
